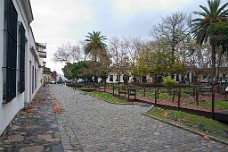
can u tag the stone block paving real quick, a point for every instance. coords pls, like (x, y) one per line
(33, 129)
(89, 124)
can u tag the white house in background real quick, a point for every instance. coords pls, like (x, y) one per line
(20, 73)
(113, 78)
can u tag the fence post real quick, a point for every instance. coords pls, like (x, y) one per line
(218, 89)
(144, 91)
(155, 99)
(225, 95)
(213, 104)
(197, 98)
(194, 92)
(174, 92)
(178, 101)
(113, 89)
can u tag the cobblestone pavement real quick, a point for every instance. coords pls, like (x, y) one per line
(34, 129)
(89, 124)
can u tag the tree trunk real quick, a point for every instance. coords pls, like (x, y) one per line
(173, 53)
(213, 65)
(218, 65)
(96, 79)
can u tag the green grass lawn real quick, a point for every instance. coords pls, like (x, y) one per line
(163, 94)
(150, 93)
(218, 104)
(107, 97)
(208, 126)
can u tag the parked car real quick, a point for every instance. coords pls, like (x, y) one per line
(52, 82)
(81, 81)
(222, 81)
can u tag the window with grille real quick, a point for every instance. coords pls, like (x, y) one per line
(10, 67)
(117, 77)
(111, 78)
(33, 79)
(21, 58)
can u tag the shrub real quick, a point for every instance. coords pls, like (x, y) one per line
(168, 83)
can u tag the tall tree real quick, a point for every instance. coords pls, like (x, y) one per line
(63, 53)
(84, 70)
(218, 32)
(104, 67)
(95, 45)
(67, 70)
(173, 29)
(156, 63)
(120, 57)
(69, 53)
(215, 12)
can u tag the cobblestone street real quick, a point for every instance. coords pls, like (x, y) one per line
(89, 124)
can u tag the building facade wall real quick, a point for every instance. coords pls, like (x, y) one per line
(1, 62)
(32, 69)
(9, 109)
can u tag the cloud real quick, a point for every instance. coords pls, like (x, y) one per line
(58, 17)
(57, 21)
(130, 7)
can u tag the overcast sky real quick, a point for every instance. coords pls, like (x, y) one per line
(58, 22)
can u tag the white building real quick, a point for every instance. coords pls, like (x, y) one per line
(20, 61)
(114, 78)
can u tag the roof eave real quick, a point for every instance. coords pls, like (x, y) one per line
(28, 10)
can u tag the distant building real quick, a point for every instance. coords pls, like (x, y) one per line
(114, 78)
(21, 59)
(46, 75)
(193, 75)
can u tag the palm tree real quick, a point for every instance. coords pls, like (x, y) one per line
(95, 45)
(96, 48)
(214, 13)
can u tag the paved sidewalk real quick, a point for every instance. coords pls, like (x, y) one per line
(34, 129)
(89, 124)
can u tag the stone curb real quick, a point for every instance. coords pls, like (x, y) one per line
(185, 128)
(133, 103)
(116, 103)
(107, 100)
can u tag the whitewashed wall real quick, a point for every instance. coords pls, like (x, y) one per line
(9, 110)
(31, 59)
